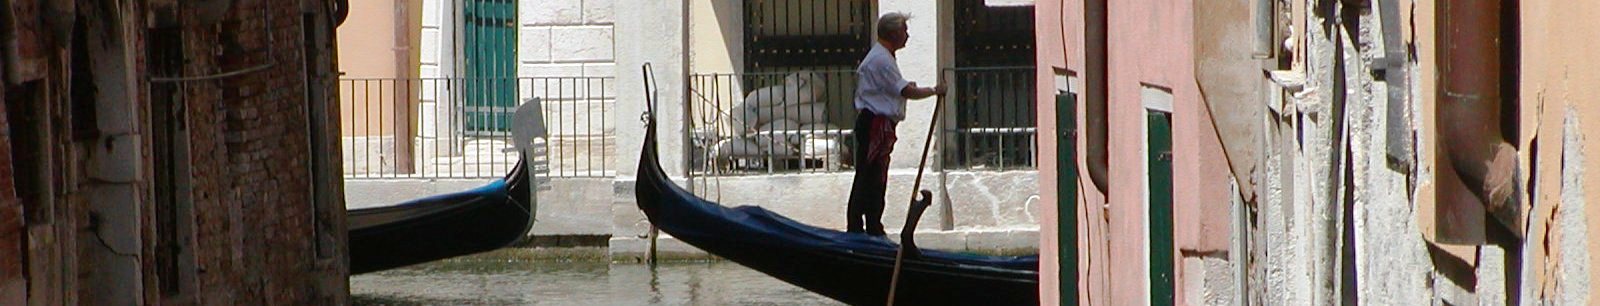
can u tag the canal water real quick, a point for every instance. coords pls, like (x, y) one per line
(590, 283)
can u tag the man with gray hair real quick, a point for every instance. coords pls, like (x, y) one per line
(881, 94)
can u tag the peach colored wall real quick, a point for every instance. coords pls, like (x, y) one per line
(366, 40)
(1149, 43)
(367, 50)
(1560, 74)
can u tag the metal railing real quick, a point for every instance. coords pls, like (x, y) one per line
(770, 122)
(992, 119)
(801, 121)
(460, 127)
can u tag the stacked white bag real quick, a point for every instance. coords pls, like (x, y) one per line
(795, 105)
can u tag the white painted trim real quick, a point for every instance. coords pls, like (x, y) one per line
(1144, 200)
(1066, 81)
(1006, 3)
(1163, 95)
(1159, 99)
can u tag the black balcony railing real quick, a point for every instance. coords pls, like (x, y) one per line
(460, 127)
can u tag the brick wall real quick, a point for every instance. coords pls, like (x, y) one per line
(251, 161)
(242, 217)
(264, 133)
(12, 285)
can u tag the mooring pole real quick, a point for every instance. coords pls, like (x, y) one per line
(650, 254)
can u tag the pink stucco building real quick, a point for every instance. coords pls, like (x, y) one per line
(1146, 69)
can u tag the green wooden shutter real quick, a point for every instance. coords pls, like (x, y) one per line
(491, 62)
(1160, 162)
(1067, 195)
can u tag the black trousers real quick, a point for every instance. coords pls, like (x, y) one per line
(865, 210)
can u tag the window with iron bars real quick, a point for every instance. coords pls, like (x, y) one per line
(991, 125)
(791, 109)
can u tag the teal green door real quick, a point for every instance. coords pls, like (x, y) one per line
(1067, 195)
(1159, 131)
(491, 62)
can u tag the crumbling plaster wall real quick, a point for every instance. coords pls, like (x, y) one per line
(1573, 263)
(1332, 192)
(1559, 74)
(1391, 259)
(1338, 52)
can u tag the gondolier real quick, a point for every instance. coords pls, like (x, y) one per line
(881, 95)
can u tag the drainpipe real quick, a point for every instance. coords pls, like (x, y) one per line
(1096, 90)
(1470, 106)
(403, 98)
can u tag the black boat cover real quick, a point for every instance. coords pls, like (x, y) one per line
(755, 226)
(441, 226)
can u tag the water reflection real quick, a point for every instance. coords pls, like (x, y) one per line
(500, 282)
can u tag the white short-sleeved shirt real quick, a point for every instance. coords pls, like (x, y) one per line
(878, 84)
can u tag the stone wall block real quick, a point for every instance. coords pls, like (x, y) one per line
(1000, 241)
(117, 158)
(533, 45)
(599, 11)
(577, 117)
(605, 70)
(430, 44)
(581, 44)
(433, 12)
(115, 116)
(114, 211)
(551, 12)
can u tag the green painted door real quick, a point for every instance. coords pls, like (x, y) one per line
(1067, 195)
(491, 62)
(1159, 132)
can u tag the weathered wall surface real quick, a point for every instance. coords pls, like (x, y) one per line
(179, 166)
(13, 282)
(1558, 118)
(1332, 166)
(1341, 215)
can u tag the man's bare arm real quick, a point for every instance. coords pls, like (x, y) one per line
(911, 91)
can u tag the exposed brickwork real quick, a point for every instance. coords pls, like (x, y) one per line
(250, 234)
(12, 283)
(253, 142)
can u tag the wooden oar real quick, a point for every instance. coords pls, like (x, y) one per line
(917, 206)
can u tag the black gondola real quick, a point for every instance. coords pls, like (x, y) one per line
(441, 226)
(852, 268)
